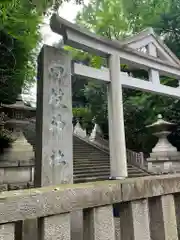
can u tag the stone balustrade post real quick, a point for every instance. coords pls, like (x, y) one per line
(55, 227)
(134, 220)
(7, 231)
(163, 224)
(99, 223)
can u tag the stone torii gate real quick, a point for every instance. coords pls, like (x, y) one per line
(54, 117)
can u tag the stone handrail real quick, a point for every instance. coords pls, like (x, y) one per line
(136, 158)
(147, 208)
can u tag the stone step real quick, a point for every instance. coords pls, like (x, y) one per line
(94, 166)
(91, 163)
(91, 169)
(77, 156)
(90, 156)
(91, 179)
(85, 158)
(92, 151)
(102, 171)
(137, 175)
(90, 174)
(91, 160)
(131, 166)
(81, 179)
(84, 167)
(87, 155)
(100, 164)
(135, 170)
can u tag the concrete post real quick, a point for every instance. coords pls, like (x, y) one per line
(116, 121)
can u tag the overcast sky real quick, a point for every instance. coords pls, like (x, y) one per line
(67, 11)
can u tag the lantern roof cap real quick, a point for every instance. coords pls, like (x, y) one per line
(160, 121)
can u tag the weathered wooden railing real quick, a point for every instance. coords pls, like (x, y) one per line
(148, 208)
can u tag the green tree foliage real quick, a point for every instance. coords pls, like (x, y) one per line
(19, 37)
(163, 16)
(140, 14)
(115, 20)
(105, 18)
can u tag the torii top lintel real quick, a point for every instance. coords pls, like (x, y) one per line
(81, 38)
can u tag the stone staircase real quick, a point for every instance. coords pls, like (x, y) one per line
(91, 163)
(91, 158)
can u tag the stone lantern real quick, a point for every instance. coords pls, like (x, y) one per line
(164, 157)
(18, 115)
(18, 110)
